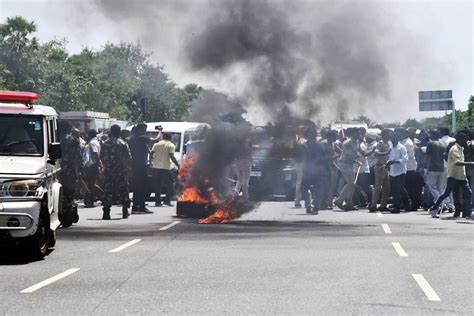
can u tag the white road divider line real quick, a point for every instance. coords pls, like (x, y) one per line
(170, 225)
(126, 245)
(426, 287)
(379, 214)
(386, 229)
(53, 279)
(399, 249)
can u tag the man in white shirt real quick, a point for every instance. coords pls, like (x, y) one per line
(397, 163)
(366, 148)
(91, 156)
(414, 181)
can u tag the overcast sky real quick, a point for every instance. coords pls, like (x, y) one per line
(438, 35)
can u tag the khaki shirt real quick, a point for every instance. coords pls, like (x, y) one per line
(382, 151)
(456, 154)
(349, 152)
(161, 154)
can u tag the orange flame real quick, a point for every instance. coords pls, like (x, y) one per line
(222, 216)
(192, 194)
(185, 170)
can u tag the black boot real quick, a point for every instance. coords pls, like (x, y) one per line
(125, 212)
(106, 215)
(75, 215)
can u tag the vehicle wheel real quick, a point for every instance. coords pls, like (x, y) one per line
(38, 244)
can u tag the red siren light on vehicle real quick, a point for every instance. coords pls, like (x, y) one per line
(19, 96)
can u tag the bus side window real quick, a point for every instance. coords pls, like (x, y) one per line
(185, 142)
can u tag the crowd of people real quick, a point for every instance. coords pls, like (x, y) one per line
(354, 169)
(350, 169)
(107, 166)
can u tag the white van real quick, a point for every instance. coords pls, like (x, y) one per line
(181, 133)
(30, 194)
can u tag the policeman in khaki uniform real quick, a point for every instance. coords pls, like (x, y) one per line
(115, 156)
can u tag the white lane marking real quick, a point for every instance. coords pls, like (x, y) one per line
(126, 245)
(386, 229)
(170, 225)
(379, 214)
(399, 249)
(50, 280)
(426, 287)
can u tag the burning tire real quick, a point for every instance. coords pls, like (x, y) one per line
(194, 210)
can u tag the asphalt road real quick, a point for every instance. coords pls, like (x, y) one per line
(274, 260)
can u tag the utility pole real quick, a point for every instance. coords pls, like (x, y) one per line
(144, 106)
(453, 117)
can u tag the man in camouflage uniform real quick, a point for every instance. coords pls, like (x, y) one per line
(115, 156)
(71, 171)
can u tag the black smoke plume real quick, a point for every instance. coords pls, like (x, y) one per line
(333, 60)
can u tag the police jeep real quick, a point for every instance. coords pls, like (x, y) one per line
(30, 194)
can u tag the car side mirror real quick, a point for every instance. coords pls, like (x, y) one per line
(54, 151)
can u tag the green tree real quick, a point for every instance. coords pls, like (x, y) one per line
(17, 46)
(366, 120)
(412, 123)
(466, 119)
(113, 79)
(54, 80)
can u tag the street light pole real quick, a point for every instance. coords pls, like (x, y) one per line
(453, 117)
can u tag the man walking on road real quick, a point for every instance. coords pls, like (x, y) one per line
(331, 156)
(446, 140)
(382, 180)
(138, 143)
(162, 154)
(115, 156)
(456, 177)
(92, 168)
(346, 165)
(435, 165)
(315, 172)
(299, 153)
(71, 171)
(398, 168)
(414, 181)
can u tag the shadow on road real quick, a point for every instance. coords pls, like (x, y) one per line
(265, 228)
(189, 228)
(13, 255)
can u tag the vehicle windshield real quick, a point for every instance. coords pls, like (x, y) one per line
(175, 139)
(21, 135)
